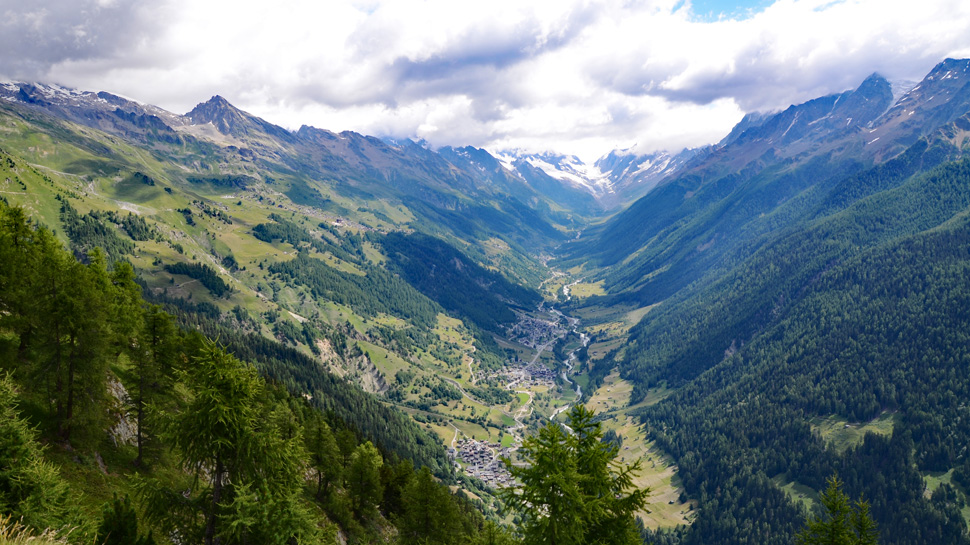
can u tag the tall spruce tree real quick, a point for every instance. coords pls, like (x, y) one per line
(573, 489)
(841, 523)
(248, 470)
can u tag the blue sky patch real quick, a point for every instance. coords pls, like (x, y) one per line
(715, 10)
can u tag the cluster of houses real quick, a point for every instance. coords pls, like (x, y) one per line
(518, 374)
(533, 332)
(530, 375)
(483, 461)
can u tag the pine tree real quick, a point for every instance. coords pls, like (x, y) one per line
(573, 490)
(247, 468)
(841, 523)
(364, 480)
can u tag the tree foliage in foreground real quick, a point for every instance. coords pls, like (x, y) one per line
(31, 491)
(573, 489)
(246, 461)
(842, 523)
(249, 454)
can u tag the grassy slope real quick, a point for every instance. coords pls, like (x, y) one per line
(94, 171)
(659, 473)
(609, 328)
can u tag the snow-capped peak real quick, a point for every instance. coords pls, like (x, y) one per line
(565, 168)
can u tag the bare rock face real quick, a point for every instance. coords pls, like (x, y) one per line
(123, 432)
(101, 465)
(369, 377)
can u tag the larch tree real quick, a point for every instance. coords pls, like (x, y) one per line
(841, 523)
(573, 491)
(430, 516)
(153, 365)
(325, 458)
(247, 469)
(363, 478)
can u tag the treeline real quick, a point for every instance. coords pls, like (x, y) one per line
(455, 282)
(348, 246)
(93, 230)
(378, 291)
(206, 275)
(235, 181)
(96, 230)
(216, 453)
(491, 395)
(855, 314)
(393, 432)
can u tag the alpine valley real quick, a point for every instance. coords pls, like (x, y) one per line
(745, 319)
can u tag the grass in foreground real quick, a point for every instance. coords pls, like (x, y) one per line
(14, 533)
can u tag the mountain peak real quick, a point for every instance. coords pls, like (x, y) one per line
(864, 105)
(949, 67)
(875, 82)
(214, 110)
(232, 121)
(814, 123)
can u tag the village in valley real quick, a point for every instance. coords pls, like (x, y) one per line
(483, 459)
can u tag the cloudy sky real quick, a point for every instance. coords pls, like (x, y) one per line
(574, 76)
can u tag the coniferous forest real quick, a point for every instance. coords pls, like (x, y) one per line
(200, 446)
(215, 330)
(861, 315)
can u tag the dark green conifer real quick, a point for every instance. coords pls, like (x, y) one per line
(841, 523)
(573, 490)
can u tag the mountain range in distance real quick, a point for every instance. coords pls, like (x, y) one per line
(614, 180)
(753, 299)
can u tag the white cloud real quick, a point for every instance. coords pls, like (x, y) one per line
(579, 76)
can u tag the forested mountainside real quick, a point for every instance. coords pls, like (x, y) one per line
(794, 293)
(773, 174)
(787, 305)
(211, 451)
(338, 308)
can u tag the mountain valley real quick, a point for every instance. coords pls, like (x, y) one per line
(747, 319)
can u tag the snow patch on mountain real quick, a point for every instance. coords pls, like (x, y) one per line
(566, 168)
(901, 87)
